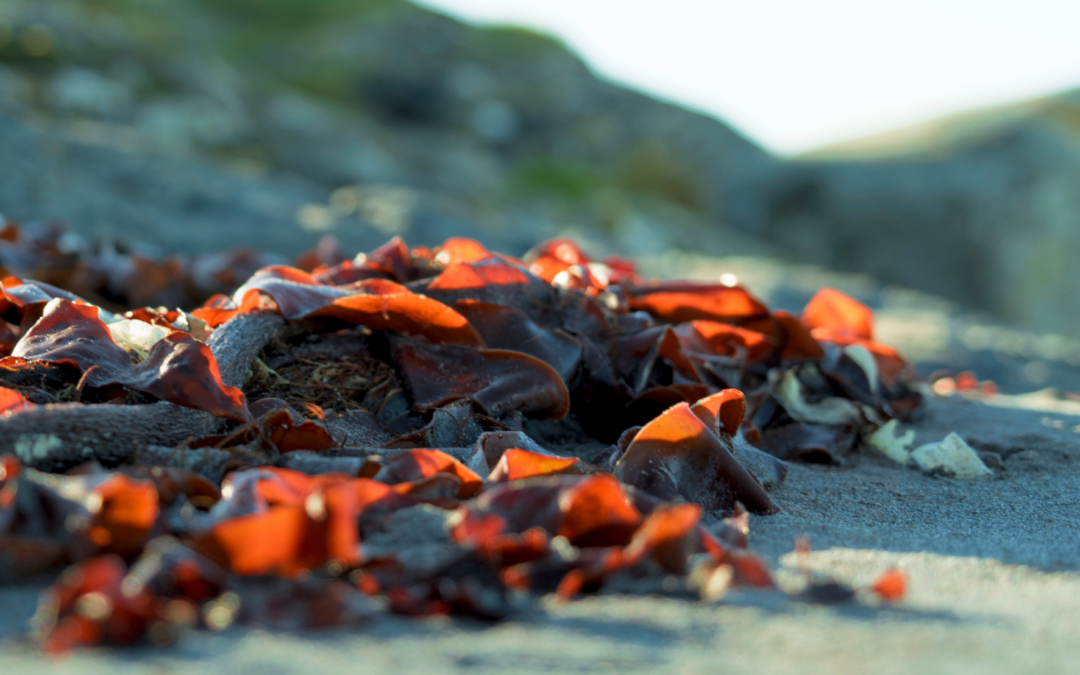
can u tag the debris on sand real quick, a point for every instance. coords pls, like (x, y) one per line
(951, 457)
(416, 431)
(896, 447)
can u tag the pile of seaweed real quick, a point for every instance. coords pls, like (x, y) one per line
(417, 431)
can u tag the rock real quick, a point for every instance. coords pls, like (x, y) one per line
(189, 205)
(951, 457)
(179, 205)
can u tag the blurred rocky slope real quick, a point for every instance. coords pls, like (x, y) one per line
(360, 118)
(945, 135)
(982, 208)
(193, 125)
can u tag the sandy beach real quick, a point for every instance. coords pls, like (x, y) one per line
(992, 564)
(992, 567)
(181, 146)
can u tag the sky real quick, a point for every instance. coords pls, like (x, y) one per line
(799, 74)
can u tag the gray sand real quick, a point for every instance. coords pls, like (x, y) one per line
(992, 566)
(1028, 514)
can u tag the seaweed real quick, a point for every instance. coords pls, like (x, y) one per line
(363, 438)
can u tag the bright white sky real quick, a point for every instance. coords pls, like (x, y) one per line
(797, 74)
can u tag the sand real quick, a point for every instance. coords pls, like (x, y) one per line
(992, 568)
(992, 565)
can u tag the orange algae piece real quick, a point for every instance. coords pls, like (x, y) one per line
(276, 487)
(518, 464)
(494, 280)
(486, 533)
(597, 512)
(262, 542)
(723, 339)
(750, 570)
(797, 340)
(178, 369)
(831, 316)
(555, 256)
(461, 249)
(891, 585)
(480, 274)
(87, 607)
(669, 535)
(288, 436)
(833, 310)
(473, 527)
(405, 312)
(424, 463)
(723, 411)
(288, 521)
(499, 380)
(679, 301)
(12, 401)
(570, 585)
(677, 454)
(127, 513)
(10, 468)
(379, 304)
(563, 250)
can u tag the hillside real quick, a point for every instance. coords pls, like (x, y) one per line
(981, 207)
(193, 126)
(375, 118)
(938, 137)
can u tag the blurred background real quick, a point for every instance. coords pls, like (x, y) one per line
(932, 146)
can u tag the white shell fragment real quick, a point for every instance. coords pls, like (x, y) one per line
(895, 447)
(865, 360)
(135, 335)
(952, 457)
(791, 394)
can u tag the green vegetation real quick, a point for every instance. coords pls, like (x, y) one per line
(649, 171)
(650, 176)
(293, 14)
(655, 170)
(515, 40)
(563, 180)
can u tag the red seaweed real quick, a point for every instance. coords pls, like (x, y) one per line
(416, 377)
